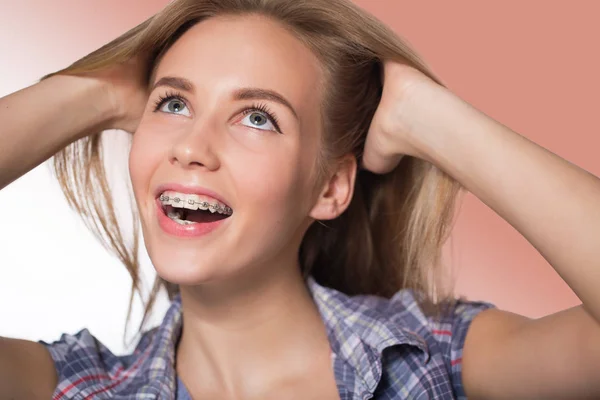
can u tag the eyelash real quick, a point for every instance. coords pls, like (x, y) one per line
(254, 107)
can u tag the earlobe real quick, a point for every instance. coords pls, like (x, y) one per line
(325, 210)
(337, 191)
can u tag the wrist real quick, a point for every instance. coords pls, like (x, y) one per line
(434, 116)
(96, 110)
(106, 107)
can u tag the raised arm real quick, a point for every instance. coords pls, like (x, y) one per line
(38, 121)
(550, 201)
(35, 123)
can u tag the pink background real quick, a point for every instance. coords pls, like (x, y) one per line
(530, 65)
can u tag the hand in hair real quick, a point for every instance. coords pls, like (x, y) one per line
(393, 128)
(111, 97)
(127, 89)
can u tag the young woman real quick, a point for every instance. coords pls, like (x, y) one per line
(294, 166)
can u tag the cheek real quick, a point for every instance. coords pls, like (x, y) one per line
(144, 157)
(271, 186)
(136, 161)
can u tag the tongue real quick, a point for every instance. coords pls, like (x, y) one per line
(203, 216)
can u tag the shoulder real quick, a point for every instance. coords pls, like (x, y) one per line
(445, 324)
(86, 368)
(441, 331)
(90, 353)
(405, 318)
(83, 362)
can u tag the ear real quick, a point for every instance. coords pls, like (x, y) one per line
(337, 190)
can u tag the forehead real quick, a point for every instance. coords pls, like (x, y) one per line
(224, 53)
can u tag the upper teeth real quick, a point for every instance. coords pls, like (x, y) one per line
(194, 202)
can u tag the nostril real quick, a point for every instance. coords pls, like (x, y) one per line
(194, 153)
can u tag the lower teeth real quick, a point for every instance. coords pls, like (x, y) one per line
(183, 221)
(176, 216)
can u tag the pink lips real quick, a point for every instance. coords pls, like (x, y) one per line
(193, 230)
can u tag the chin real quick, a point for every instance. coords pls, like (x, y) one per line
(186, 266)
(187, 274)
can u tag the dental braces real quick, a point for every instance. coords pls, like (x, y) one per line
(205, 204)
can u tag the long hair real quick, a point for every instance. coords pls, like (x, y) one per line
(390, 237)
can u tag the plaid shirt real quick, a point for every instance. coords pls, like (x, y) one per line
(422, 358)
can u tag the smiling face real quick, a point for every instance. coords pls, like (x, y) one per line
(236, 112)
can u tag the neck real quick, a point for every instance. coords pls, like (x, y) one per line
(240, 338)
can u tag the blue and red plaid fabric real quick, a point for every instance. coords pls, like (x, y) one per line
(422, 358)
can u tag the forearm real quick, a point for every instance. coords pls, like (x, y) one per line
(554, 204)
(38, 121)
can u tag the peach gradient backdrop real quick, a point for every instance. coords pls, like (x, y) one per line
(529, 65)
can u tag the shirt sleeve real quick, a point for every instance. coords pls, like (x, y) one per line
(80, 357)
(451, 332)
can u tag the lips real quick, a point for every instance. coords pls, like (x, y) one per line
(195, 230)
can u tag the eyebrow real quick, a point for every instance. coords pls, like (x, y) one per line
(248, 93)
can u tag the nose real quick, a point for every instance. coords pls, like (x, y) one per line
(196, 148)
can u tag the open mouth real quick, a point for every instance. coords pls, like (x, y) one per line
(189, 209)
(185, 216)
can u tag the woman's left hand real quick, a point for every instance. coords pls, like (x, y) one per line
(393, 128)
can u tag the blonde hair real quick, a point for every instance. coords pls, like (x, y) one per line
(390, 237)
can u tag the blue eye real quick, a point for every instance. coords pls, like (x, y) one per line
(259, 120)
(174, 103)
(260, 115)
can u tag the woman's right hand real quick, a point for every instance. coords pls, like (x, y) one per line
(40, 120)
(126, 91)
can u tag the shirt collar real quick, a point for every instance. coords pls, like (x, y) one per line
(158, 365)
(358, 334)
